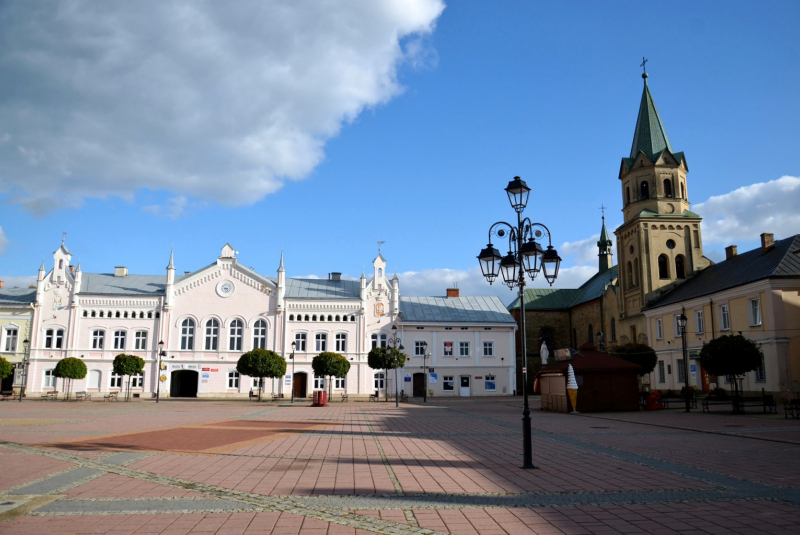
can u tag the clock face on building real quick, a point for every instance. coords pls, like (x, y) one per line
(225, 288)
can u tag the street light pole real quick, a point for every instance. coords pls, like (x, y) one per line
(425, 371)
(393, 341)
(682, 322)
(523, 257)
(161, 353)
(25, 359)
(294, 346)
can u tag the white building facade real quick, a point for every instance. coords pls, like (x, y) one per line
(208, 318)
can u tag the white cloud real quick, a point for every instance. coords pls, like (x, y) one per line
(583, 252)
(743, 214)
(3, 241)
(202, 99)
(174, 208)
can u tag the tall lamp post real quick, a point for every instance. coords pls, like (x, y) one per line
(425, 371)
(294, 346)
(394, 341)
(682, 323)
(25, 359)
(525, 255)
(161, 354)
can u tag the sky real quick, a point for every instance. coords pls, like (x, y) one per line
(319, 128)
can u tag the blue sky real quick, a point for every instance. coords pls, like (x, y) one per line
(320, 130)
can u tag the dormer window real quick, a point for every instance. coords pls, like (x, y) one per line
(667, 188)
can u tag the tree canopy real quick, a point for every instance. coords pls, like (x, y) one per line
(732, 354)
(6, 368)
(640, 354)
(329, 364)
(378, 359)
(261, 363)
(70, 368)
(128, 364)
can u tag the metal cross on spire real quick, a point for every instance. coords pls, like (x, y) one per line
(379, 246)
(603, 209)
(63, 237)
(644, 64)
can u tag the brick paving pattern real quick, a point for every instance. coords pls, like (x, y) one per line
(228, 467)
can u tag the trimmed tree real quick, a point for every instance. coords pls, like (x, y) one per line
(261, 363)
(6, 368)
(395, 359)
(70, 368)
(378, 359)
(731, 355)
(640, 354)
(129, 365)
(328, 364)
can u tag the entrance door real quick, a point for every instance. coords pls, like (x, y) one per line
(183, 384)
(300, 384)
(464, 390)
(419, 385)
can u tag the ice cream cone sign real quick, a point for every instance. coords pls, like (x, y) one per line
(572, 389)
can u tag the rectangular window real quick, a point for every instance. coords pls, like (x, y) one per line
(488, 349)
(49, 379)
(378, 340)
(463, 349)
(761, 372)
(97, 339)
(11, 340)
(300, 342)
(322, 342)
(260, 335)
(140, 340)
(447, 350)
(59, 341)
(233, 379)
(681, 371)
(380, 381)
(119, 339)
(212, 335)
(419, 348)
(699, 322)
(448, 385)
(116, 381)
(235, 335)
(48, 339)
(489, 383)
(256, 382)
(661, 377)
(755, 312)
(725, 318)
(341, 342)
(137, 381)
(319, 383)
(659, 329)
(339, 383)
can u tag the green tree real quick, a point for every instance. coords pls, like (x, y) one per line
(640, 354)
(261, 363)
(731, 355)
(378, 359)
(129, 365)
(328, 364)
(6, 368)
(70, 368)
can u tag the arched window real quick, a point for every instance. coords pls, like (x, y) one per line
(680, 271)
(627, 195)
(117, 314)
(314, 317)
(613, 329)
(141, 315)
(636, 271)
(93, 313)
(260, 335)
(322, 317)
(235, 335)
(125, 315)
(591, 334)
(380, 272)
(330, 318)
(663, 267)
(291, 317)
(683, 191)
(338, 318)
(101, 313)
(306, 317)
(187, 334)
(212, 335)
(352, 318)
(668, 188)
(630, 276)
(645, 190)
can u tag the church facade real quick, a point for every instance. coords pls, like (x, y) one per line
(208, 318)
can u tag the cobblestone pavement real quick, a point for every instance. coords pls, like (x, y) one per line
(449, 467)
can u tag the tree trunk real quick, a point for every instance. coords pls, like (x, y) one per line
(128, 393)
(386, 386)
(260, 386)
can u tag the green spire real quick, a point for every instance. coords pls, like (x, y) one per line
(650, 136)
(604, 243)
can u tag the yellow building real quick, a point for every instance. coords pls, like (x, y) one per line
(755, 294)
(15, 321)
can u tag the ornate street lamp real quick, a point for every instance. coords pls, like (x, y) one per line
(394, 341)
(682, 323)
(294, 346)
(525, 256)
(25, 359)
(161, 354)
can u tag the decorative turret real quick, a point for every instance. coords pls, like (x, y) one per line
(40, 283)
(78, 279)
(281, 285)
(170, 279)
(650, 137)
(604, 247)
(61, 258)
(395, 295)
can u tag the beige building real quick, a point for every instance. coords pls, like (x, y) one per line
(756, 294)
(15, 321)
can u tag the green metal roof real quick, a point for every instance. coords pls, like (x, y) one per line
(546, 299)
(650, 136)
(605, 239)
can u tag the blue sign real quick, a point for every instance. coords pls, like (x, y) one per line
(433, 378)
(693, 368)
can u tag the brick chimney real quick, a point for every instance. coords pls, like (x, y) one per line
(452, 292)
(2, 284)
(767, 241)
(730, 252)
(71, 268)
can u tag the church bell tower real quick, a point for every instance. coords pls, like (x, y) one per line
(659, 243)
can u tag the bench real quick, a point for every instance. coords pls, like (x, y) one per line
(792, 408)
(6, 394)
(766, 402)
(679, 399)
(715, 400)
(82, 396)
(275, 396)
(403, 397)
(374, 396)
(344, 397)
(49, 396)
(111, 396)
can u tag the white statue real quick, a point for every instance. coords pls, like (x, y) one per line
(544, 353)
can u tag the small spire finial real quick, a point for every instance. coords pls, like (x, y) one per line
(379, 246)
(644, 67)
(603, 210)
(63, 238)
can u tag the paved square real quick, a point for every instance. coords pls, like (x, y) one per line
(452, 466)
